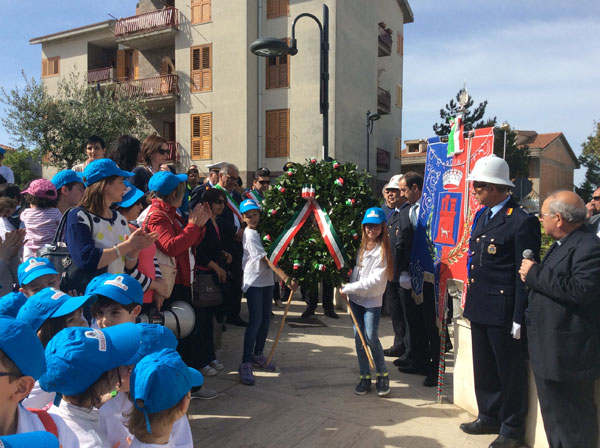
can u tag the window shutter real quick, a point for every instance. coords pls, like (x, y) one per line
(278, 131)
(120, 65)
(398, 148)
(283, 70)
(284, 132)
(278, 71)
(272, 72)
(272, 8)
(284, 7)
(206, 10)
(44, 68)
(201, 64)
(202, 136)
(200, 11)
(55, 66)
(398, 95)
(136, 64)
(400, 44)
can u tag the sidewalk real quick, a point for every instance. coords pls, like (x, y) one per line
(310, 402)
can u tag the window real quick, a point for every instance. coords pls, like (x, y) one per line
(398, 95)
(278, 133)
(413, 148)
(201, 64)
(278, 71)
(201, 136)
(50, 67)
(398, 148)
(400, 44)
(278, 8)
(200, 11)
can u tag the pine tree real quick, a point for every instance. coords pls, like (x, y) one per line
(471, 119)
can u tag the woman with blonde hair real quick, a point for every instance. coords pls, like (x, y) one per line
(155, 152)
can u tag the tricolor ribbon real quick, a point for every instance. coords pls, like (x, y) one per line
(252, 194)
(231, 203)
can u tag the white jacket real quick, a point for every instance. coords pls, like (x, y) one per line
(369, 280)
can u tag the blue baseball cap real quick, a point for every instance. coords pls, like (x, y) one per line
(161, 380)
(121, 288)
(38, 439)
(33, 268)
(47, 303)
(65, 177)
(102, 168)
(248, 205)
(2, 150)
(11, 303)
(131, 196)
(76, 357)
(165, 182)
(153, 338)
(374, 215)
(20, 343)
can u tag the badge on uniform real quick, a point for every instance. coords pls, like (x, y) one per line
(492, 249)
(509, 212)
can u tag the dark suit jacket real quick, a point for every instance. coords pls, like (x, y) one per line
(594, 223)
(496, 294)
(563, 317)
(400, 234)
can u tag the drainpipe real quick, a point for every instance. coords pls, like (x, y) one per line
(259, 84)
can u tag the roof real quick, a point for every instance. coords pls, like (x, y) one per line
(8, 148)
(72, 32)
(533, 140)
(406, 11)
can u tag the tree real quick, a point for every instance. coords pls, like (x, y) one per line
(471, 119)
(58, 126)
(590, 158)
(517, 157)
(24, 164)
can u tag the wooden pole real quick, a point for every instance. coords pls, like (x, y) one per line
(287, 308)
(362, 339)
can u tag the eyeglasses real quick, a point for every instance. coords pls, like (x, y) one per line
(164, 152)
(219, 202)
(264, 182)
(542, 215)
(479, 185)
(595, 198)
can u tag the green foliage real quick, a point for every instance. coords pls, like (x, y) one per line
(471, 119)
(547, 241)
(59, 125)
(308, 246)
(590, 158)
(516, 157)
(24, 164)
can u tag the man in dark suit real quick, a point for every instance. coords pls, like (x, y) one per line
(495, 304)
(594, 207)
(563, 323)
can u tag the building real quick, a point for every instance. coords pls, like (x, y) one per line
(214, 100)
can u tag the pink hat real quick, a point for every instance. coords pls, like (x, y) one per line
(41, 188)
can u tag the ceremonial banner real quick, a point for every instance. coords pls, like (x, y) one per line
(441, 241)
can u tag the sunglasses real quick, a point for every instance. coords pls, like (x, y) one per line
(264, 182)
(219, 202)
(164, 152)
(595, 198)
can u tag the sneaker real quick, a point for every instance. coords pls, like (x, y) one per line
(246, 374)
(207, 370)
(261, 361)
(204, 393)
(363, 387)
(217, 365)
(383, 385)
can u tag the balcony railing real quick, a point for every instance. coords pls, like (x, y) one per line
(148, 22)
(157, 86)
(384, 101)
(385, 40)
(173, 151)
(100, 75)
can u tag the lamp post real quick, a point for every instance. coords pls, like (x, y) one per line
(505, 127)
(270, 46)
(370, 119)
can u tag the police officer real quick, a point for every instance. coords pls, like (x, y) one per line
(495, 304)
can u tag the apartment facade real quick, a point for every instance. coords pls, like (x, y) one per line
(214, 100)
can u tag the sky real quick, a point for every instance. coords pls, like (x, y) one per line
(536, 62)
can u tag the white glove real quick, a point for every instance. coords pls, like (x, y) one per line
(404, 280)
(516, 330)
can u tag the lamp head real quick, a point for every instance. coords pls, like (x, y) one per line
(269, 46)
(374, 117)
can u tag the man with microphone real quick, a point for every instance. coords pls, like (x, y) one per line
(563, 323)
(495, 304)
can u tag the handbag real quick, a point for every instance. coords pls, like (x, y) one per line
(206, 293)
(72, 277)
(166, 263)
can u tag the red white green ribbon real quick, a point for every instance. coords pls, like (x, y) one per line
(231, 203)
(328, 233)
(455, 138)
(255, 197)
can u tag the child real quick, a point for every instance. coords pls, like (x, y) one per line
(11, 303)
(374, 267)
(258, 285)
(118, 301)
(160, 389)
(22, 361)
(42, 217)
(37, 439)
(69, 189)
(35, 274)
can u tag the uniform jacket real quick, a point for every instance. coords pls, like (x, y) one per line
(496, 294)
(563, 316)
(401, 234)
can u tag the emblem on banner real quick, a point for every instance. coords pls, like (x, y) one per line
(448, 221)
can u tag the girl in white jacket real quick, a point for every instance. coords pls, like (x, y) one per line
(374, 267)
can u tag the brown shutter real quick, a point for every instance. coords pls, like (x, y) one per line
(121, 65)
(205, 10)
(201, 68)
(284, 7)
(200, 11)
(278, 71)
(272, 72)
(207, 67)
(44, 68)
(278, 131)
(272, 8)
(136, 64)
(202, 136)
(283, 70)
(284, 133)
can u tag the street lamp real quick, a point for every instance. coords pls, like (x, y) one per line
(269, 46)
(505, 127)
(370, 119)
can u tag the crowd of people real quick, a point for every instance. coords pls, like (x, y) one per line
(122, 234)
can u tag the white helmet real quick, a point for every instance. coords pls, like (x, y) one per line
(491, 169)
(395, 181)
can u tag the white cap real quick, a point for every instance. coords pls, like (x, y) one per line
(491, 169)
(216, 166)
(395, 181)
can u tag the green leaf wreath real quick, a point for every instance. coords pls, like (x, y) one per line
(345, 200)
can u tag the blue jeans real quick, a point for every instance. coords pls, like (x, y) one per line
(260, 300)
(368, 321)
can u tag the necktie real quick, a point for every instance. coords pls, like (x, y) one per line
(488, 216)
(413, 215)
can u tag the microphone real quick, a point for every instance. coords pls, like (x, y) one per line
(528, 254)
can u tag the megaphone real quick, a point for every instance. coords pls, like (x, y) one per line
(179, 318)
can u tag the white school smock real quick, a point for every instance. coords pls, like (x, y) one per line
(38, 398)
(112, 419)
(85, 424)
(257, 272)
(368, 280)
(29, 422)
(137, 444)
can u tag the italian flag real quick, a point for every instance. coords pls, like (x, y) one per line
(455, 138)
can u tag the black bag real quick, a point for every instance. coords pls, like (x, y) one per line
(72, 277)
(206, 293)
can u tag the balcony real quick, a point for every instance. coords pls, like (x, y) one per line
(163, 87)
(174, 151)
(148, 30)
(384, 101)
(100, 75)
(385, 40)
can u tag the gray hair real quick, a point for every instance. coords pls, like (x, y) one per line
(573, 213)
(227, 168)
